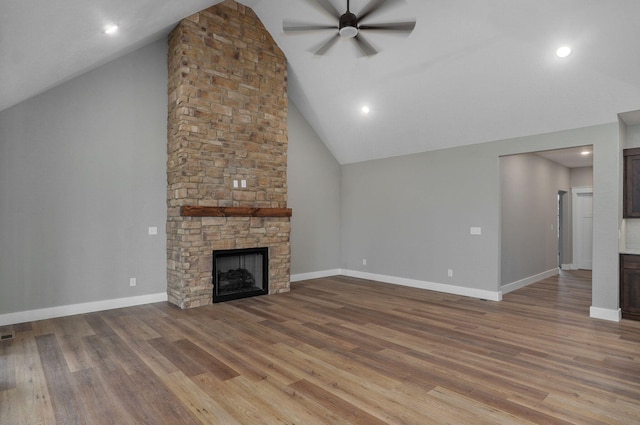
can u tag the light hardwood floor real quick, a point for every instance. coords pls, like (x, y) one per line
(333, 351)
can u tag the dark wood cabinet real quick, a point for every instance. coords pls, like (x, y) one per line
(631, 183)
(630, 286)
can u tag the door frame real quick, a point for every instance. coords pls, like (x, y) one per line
(562, 224)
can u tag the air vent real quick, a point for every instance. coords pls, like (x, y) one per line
(7, 335)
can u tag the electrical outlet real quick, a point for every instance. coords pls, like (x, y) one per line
(153, 230)
(132, 281)
(450, 273)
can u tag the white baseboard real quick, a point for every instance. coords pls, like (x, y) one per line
(314, 275)
(567, 267)
(431, 286)
(69, 310)
(510, 287)
(605, 314)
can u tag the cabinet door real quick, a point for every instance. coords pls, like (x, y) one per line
(630, 293)
(632, 183)
(630, 286)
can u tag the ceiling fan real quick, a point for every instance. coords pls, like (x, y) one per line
(350, 25)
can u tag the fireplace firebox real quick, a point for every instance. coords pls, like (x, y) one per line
(240, 273)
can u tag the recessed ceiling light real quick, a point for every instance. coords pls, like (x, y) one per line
(563, 51)
(365, 109)
(111, 29)
(585, 153)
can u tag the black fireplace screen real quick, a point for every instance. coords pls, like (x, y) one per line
(240, 273)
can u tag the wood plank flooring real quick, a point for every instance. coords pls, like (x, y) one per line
(333, 351)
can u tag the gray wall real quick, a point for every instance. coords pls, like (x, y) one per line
(582, 177)
(632, 138)
(313, 179)
(82, 176)
(529, 194)
(410, 216)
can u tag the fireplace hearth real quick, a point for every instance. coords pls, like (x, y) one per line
(240, 273)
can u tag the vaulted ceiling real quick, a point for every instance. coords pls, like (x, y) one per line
(471, 71)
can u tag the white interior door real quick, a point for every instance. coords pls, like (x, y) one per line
(582, 200)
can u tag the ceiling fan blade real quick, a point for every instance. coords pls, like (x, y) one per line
(375, 6)
(393, 26)
(327, 45)
(364, 45)
(288, 26)
(328, 7)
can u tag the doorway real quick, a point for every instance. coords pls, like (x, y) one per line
(537, 214)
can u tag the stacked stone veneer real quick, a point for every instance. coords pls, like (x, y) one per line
(227, 121)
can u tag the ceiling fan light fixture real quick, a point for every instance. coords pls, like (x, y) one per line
(348, 25)
(348, 32)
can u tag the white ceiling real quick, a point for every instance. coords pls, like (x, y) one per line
(471, 71)
(570, 157)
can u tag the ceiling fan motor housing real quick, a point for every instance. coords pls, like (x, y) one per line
(348, 25)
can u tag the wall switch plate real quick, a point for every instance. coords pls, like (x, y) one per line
(364, 261)
(235, 184)
(132, 281)
(476, 230)
(243, 183)
(153, 230)
(450, 273)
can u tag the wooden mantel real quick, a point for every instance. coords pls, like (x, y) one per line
(196, 211)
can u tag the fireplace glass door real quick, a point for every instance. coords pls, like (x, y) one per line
(240, 273)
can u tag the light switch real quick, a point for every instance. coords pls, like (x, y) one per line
(476, 230)
(243, 183)
(153, 230)
(235, 184)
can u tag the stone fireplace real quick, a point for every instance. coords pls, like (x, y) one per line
(227, 149)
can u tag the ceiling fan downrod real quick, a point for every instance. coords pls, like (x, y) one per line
(348, 27)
